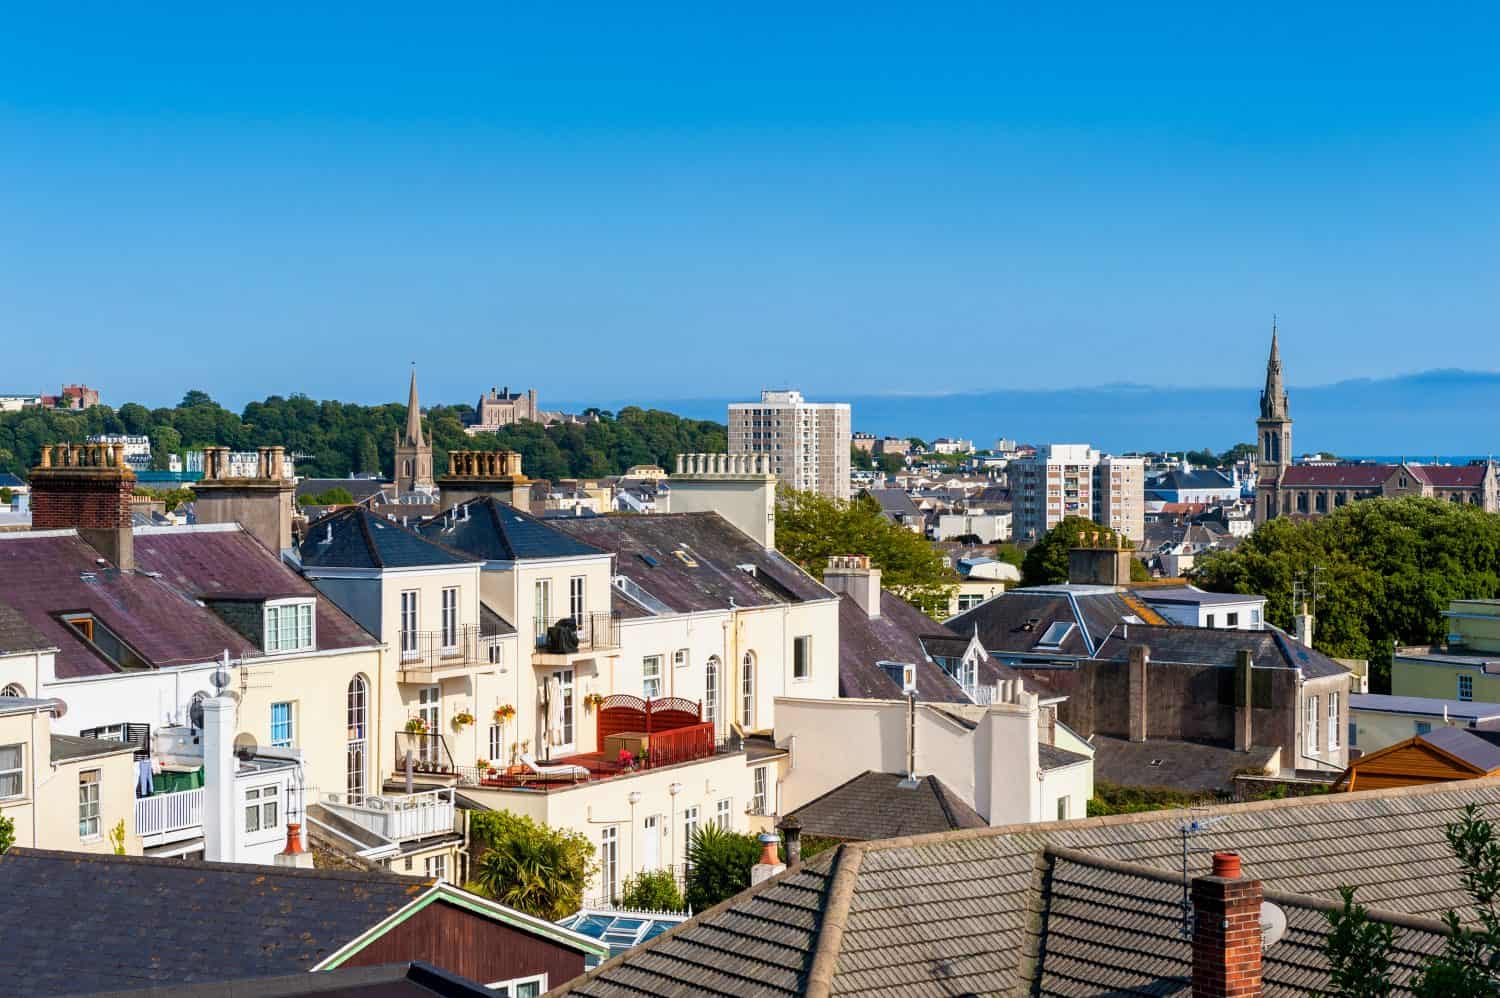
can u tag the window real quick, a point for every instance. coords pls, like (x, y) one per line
(721, 813)
(711, 691)
(282, 734)
(609, 860)
(436, 867)
(430, 710)
(1311, 726)
(1062, 809)
(747, 690)
(409, 641)
(12, 770)
(357, 703)
(450, 617)
(968, 601)
(260, 808)
(1232, 620)
(106, 733)
(680, 658)
(576, 604)
(88, 804)
(1333, 720)
(520, 987)
(651, 677)
(542, 608)
(1208, 621)
(1255, 619)
(289, 626)
(1423, 727)
(802, 657)
(497, 745)
(13, 690)
(689, 829)
(758, 797)
(1466, 687)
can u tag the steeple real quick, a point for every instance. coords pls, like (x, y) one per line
(1273, 401)
(414, 413)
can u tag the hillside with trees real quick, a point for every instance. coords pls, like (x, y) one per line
(1387, 569)
(334, 439)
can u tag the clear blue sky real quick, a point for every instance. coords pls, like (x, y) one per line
(611, 202)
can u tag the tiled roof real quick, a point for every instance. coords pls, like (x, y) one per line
(1354, 476)
(1052, 757)
(16, 635)
(1461, 709)
(897, 635)
(353, 537)
(1270, 648)
(158, 921)
(876, 806)
(1466, 746)
(1450, 476)
(497, 531)
(982, 911)
(706, 575)
(1016, 621)
(1178, 765)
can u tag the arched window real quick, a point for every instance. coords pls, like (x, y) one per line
(13, 690)
(1321, 501)
(1302, 502)
(747, 691)
(711, 691)
(359, 719)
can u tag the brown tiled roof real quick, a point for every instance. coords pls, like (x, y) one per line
(1355, 476)
(984, 910)
(1450, 476)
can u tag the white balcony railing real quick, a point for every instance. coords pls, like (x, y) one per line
(398, 817)
(982, 695)
(166, 817)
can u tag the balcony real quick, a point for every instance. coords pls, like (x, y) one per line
(429, 754)
(565, 640)
(172, 817)
(398, 817)
(430, 656)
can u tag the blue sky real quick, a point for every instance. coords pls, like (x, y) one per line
(611, 201)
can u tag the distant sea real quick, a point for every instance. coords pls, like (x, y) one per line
(1413, 416)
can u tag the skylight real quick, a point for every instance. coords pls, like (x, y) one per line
(1056, 633)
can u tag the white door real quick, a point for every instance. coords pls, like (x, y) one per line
(651, 848)
(564, 679)
(430, 710)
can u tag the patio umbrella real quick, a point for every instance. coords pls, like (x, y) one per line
(554, 712)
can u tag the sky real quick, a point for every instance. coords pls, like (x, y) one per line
(656, 201)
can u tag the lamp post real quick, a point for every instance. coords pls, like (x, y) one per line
(635, 798)
(674, 789)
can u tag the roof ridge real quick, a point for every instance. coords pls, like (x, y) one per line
(836, 904)
(247, 869)
(940, 792)
(361, 517)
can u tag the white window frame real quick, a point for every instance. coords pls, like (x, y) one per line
(264, 804)
(759, 783)
(507, 989)
(291, 724)
(689, 829)
(289, 625)
(802, 641)
(411, 642)
(450, 617)
(18, 772)
(436, 866)
(497, 744)
(609, 860)
(1312, 723)
(680, 658)
(723, 813)
(747, 690)
(578, 598)
(1064, 808)
(90, 799)
(541, 607)
(713, 670)
(651, 687)
(1333, 721)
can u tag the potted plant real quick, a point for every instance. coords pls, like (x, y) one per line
(504, 713)
(626, 760)
(594, 701)
(462, 720)
(416, 726)
(481, 764)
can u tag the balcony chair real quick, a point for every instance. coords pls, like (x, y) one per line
(559, 772)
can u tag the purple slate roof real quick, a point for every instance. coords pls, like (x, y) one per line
(1450, 476)
(155, 608)
(1365, 476)
(901, 633)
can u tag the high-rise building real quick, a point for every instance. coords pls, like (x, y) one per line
(1064, 480)
(808, 442)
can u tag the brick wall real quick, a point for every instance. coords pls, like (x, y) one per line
(86, 498)
(1226, 937)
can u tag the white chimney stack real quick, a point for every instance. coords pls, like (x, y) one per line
(219, 825)
(853, 575)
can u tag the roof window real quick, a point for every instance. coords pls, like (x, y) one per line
(1056, 633)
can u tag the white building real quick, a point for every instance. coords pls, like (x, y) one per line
(1196, 608)
(137, 448)
(1064, 480)
(808, 442)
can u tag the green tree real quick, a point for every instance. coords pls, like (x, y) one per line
(1239, 452)
(1010, 554)
(194, 397)
(529, 866)
(368, 458)
(719, 865)
(1138, 571)
(652, 890)
(336, 496)
(861, 459)
(170, 498)
(1358, 951)
(1047, 562)
(6, 495)
(7, 834)
(811, 528)
(890, 463)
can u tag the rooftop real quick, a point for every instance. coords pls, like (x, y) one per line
(1193, 596)
(497, 531)
(1270, 648)
(901, 633)
(1187, 766)
(1466, 710)
(877, 805)
(354, 537)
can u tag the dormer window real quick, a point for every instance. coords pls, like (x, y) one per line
(289, 626)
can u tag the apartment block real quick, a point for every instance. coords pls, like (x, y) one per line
(1063, 480)
(808, 442)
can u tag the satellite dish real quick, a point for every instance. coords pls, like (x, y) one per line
(59, 707)
(1272, 925)
(221, 680)
(245, 749)
(195, 709)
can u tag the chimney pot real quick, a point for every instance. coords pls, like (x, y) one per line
(1227, 865)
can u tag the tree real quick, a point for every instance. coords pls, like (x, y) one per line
(1047, 562)
(336, 496)
(6, 495)
(810, 528)
(1138, 571)
(194, 397)
(170, 498)
(7, 834)
(531, 867)
(368, 458)
(1010, 554)
(1239, 452)
(652, 890)
(720, 862)
(1358, 951)
(891, 463)
(861, 459)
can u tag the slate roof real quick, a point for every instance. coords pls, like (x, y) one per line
(1463, 710)
(360, 488)
(1189, 596)
(1270, 648)
(158, 921)
(497, 531)
(1354, 476)
(1178, 765)
(155, 608)
(17, 635)
(491, 624)
(875, 806)
(414, 980)
(1062, 907)
(901, 633)
(70, 748)
(353, 537)
(1051, 757)
(715, 546)
(894, 503)
(1199, 479)
(1016, 621)
(1465, 745)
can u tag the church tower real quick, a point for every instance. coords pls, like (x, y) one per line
(1274, 436)
(413, 451)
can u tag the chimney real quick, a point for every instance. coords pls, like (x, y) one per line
(1226, 932)
(1091, 565)
(1244, 700)
(1303, 622)
(791, 833)
(220, 817)
(88, 488)
(852, 574)
(769, 864)
(1140, 658)
(294, 856)
(262, 505)
(474, 474)
(739, 487)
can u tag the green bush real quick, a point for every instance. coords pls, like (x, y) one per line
(720, 863)
(530, 866)
(652, 890)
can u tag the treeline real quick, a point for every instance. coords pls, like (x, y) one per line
(334, 439)
(1385, 571)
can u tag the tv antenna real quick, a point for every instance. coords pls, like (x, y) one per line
(1307, 587)
(1194, 826)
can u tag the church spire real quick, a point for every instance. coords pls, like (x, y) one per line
(413, 413)
(1273, 401)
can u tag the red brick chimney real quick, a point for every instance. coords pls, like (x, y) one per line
(86, 487)
(1226, 932)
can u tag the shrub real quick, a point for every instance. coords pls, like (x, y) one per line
(652, 890)
(530, 866)
(720, 863)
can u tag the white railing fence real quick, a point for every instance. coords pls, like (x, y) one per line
(399, 816)
(164, 813)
